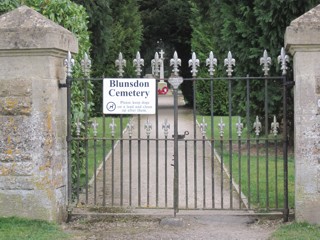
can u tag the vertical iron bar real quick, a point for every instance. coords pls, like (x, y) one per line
(248, 141)
(195, 144)
(204, 170)
(148, 170)
(139, 161)
(186, 170)
(95, 169)
(239, 168)
(258, 171)
(221, 170)
(266, 141)
(176, 152)
(166, 170)
(112, 170)
(121, 160)
(285, 152)
(230, 141)
(130, 170)
(104, 160)
(69, 139)
(86, 134)
(212, 143)
(157, 148)
(78, 168)
(276, 170)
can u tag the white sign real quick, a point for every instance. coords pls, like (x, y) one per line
(129, 96)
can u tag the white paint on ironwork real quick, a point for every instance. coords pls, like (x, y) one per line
(120, 63)
(155, 65)
(94, 127)
(166, 127)
(130, 127)
(203, 127)
(148, 127)
(221, 127)
(78, 127)
(138, 62)
(113, 126)
(274, 126)
(266, 61)
(69, 63)
(194, 63)
(229, 62)
(175, 81)
(239, 127)
(257, 126)
(86, 65)
(283, 59)
(211, 62)
(175, 62)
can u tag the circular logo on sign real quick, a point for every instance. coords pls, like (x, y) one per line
(111, 106)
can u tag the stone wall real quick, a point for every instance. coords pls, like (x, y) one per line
(302, 39)
(33, 161)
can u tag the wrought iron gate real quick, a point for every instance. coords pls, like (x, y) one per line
(181, 160)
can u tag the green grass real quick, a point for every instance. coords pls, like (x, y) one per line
(251, 172)
(297, 231)
(13, 228)
(99, 148)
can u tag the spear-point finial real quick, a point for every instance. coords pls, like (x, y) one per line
(203, 127)
(156, 64)
(266, 61)
(221, 127)
(113, 126)
(175, 62)
(274, 126)
(130, 127)
(194, 63)
(94, 127)
(86, 65)
(257, 126)
(239, 127)
(211, 62)
(229, 62)
(120, 63)
(283, 59)
(69, 63)
(148, 127)
(138, 62)
(166, 127)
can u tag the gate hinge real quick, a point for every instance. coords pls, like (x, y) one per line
(62, 85)
(290, 83)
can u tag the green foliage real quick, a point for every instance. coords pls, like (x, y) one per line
(13, 228)
(7, 5)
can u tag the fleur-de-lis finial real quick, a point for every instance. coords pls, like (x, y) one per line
(94, 126)
(283, 59)
(203, 127)
(211, 61)
(229, 62)
(194, 63)
(130, 127)
(69, 63)
(86, 65)
(257, 126)
(120, 63)
(113, 126)
(239, 126)
(175, 62)
(266, 61)
(148, 127)
(166, 127)
(221, 127)
(274, 126)
(156, 64)
(78, 127)
(138, 62)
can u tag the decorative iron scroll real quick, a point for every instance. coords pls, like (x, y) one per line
(175, 62)
(266, 61)
(283, 59)
(229, 62)
(69, 63)
(86, 65)
(166, 127)
(257, 126)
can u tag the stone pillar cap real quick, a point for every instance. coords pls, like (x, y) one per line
(24, 28)
(304, 32)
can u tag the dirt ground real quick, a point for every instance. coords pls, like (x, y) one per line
(190, 226)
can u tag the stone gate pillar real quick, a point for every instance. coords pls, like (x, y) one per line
(302, 39)
(33, 161)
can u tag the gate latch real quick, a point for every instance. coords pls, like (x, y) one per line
(182, 136)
